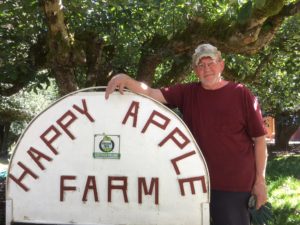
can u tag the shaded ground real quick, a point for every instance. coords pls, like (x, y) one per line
(3, 164)
(293, 149)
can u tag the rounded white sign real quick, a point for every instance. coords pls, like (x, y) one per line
(126, 160)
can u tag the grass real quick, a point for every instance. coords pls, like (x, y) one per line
(283, 178)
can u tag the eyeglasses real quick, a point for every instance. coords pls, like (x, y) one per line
(209, 65)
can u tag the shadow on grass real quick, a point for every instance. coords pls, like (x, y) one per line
(284, 166)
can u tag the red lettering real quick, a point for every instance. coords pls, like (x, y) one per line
(90, 184)
(177, 159)
(142, 185)
(175, 140)
(84, 110)
(122, 187)
(152, 120)
(66, 124)
(64, 188)
(26, 171)
(49, 141)
(191, 181)
(132, 111)
(37, 155)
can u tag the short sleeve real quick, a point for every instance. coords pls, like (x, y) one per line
(254, 120)
(174, 95)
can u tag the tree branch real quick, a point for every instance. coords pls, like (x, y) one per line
(245, 39)
(265, 61)
(242, 39)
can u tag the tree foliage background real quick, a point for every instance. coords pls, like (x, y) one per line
(67, 45)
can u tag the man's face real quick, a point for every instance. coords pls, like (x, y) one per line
(209, 71)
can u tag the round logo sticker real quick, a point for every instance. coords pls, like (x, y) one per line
(107, 144)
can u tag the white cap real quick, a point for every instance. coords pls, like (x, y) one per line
(205, 50)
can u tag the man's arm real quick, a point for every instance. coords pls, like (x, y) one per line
(261, 155)
(120, 81)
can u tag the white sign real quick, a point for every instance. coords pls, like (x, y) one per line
(126, 160)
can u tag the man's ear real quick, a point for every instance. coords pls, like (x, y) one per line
(222, 65)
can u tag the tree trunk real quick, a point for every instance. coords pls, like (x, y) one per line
(285, 127)
(60, 47)
(152, 55)
(4, 131)
(181, 67)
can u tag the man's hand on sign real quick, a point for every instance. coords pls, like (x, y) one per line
(120, 81)
(117, 82)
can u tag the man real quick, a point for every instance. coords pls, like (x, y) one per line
(226, 121)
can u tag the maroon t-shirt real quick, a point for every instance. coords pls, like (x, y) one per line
(223, 122)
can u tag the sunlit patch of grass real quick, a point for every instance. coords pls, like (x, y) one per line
(284, 189)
